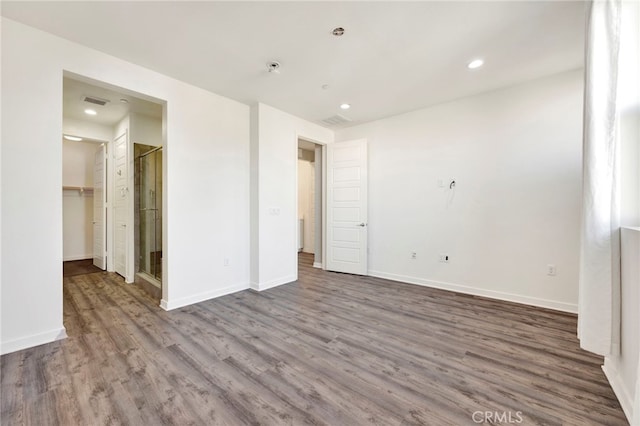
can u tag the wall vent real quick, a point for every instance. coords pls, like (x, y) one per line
(95, 100)
(336, 120)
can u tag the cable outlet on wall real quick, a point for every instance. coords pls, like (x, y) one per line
(444, 258)
(414, 255)
(551, 270)
(226, 261)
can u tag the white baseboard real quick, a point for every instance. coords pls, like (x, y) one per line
(317, 265)
(492, 294)
(168, 305)
(78, 257)
(273, 283)
(33, 340)
(617, 384)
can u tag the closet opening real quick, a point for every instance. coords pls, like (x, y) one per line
(310, 184)
(113, 158)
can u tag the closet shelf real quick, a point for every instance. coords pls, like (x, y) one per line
(78, 188)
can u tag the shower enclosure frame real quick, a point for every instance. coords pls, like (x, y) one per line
(149, 210)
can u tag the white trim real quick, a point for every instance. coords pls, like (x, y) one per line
(317, 265)
(168, 305)
(33, 340)
(509, 297)
(617, 384)
(77, 257)
(273, 283)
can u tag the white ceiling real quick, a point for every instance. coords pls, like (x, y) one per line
(73, 104)
(394, 57)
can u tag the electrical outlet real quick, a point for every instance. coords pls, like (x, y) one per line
(414, 255)
(226, 261)
(444, 258)
(551, 270)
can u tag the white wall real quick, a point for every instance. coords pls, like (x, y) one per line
(77, 163)
(515, 155)
(206, 181)
(86, 129)
(146, 130)
(274, 151)
(123, 126)
(77, 216)
(77, 206)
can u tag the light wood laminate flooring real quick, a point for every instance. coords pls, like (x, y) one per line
(329, 349)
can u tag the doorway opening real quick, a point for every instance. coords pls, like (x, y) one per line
(82, 183)
(121, 167)
(310, 187)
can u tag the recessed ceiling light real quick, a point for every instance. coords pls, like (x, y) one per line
(476, 63)
(90, 111)
(124, 101)
(72, 138)
(345, 106)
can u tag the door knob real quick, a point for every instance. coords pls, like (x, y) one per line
(362, 224)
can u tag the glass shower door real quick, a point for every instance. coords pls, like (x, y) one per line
(151, 214)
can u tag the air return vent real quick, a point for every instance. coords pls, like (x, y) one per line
(95, 100)
(336, 120)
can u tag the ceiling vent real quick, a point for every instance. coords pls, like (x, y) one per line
(336, 120)
(95, 100)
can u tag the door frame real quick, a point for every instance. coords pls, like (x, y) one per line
(323, 209)
(110, 181)
(105, 183)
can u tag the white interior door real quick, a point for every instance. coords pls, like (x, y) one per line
(120, 205)
(99, 228)
(347, 207)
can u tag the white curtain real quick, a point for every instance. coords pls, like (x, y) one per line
(599, 296)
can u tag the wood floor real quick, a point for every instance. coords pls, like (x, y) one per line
(329, 349)
(79, 267)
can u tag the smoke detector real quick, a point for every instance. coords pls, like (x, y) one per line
(274, 67)
(338, 31)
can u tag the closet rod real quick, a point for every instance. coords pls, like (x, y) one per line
(78, 188)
